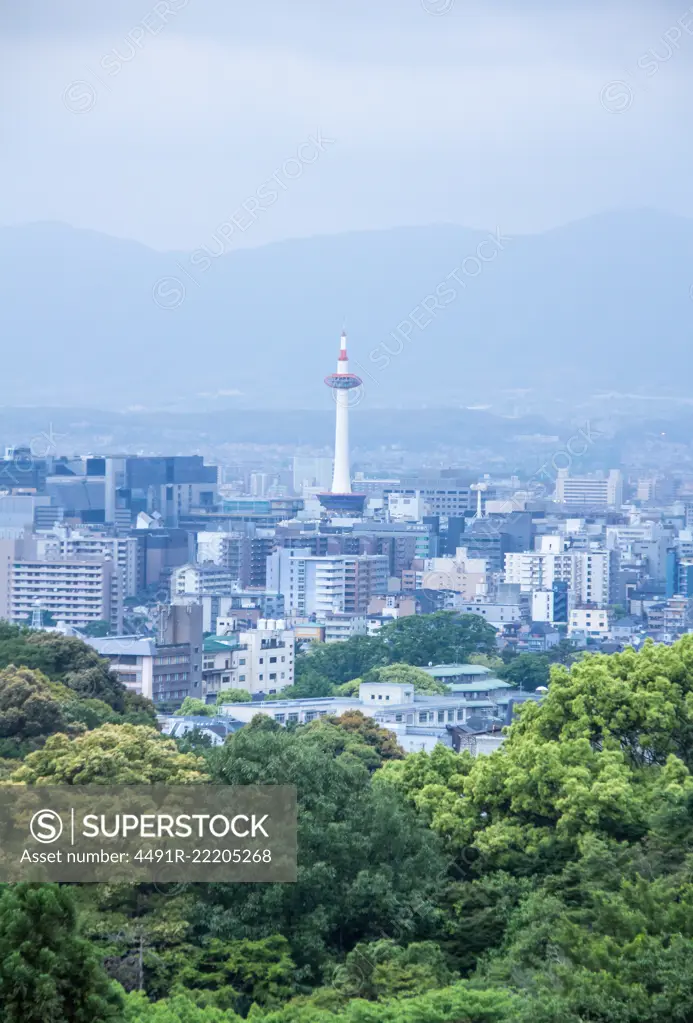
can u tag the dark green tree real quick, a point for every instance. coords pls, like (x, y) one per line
(444, 637)
(365, 862)
(48, 972)
(340, 662)
(29, 706)
(97, 629)
(527, 671)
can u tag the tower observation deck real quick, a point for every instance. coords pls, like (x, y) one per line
(341, 500)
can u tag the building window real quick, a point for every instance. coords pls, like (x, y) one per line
(241, 678)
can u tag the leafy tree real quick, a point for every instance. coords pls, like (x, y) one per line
(441, 638)
(195, 707)
(178, 1009)
(309, 684)
(638, 702)
(111, 755)
(364, 860)
(528, 671)
(366, 732)
(29, 707)
(237, 974)
(196, 741)
(91, 713)
(233, 696)
(63, 659)
(340, 662)
(459, 1003)
(405, 674)
(97, 629)
(138, 710)
(48, 972)
(563, 652)
(98, 682)
(382, 969)
(488, 661)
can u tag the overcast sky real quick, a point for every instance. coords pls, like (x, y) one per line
(159, 124)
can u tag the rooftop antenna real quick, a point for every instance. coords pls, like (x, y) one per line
(479, 487)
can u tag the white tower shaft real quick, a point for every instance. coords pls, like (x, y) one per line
(341, 479)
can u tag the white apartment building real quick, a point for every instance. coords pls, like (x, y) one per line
(459, 574)
(64, 542)
(543, 606)
(494, 613)
(73, 590)
(328, 584)
(593, 622)
(599, 490)
(587, 573)
(340, 627)
(193, 580)
(406, 507)
(228, 550)
(259, 660)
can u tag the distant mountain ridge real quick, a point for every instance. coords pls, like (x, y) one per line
(599, 304)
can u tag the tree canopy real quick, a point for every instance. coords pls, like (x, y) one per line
(548, 882)
(111, 755)
(48, 972)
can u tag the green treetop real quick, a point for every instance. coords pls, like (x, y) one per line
(111, 755)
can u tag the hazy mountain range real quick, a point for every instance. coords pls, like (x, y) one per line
(602, 304)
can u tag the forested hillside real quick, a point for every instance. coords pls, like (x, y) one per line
(551, 882)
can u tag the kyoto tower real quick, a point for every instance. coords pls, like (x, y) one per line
(341, 500)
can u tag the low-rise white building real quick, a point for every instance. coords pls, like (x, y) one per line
(258, 660)
(418, 721)
(592, 621)
(195, 580)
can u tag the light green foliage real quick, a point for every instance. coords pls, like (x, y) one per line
(233, 696)
(111, 755)
(196, 708)
(405, 674)
(400, 674)
(179, 1009)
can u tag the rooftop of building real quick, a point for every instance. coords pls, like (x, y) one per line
(448, 670)
(212, 643)
(138, 646)
(489, 684)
